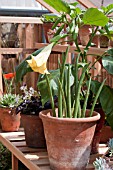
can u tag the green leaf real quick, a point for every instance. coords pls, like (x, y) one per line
(58, 5)
(109, 9)
(107, 61)
(110, 119)
(95, 17)
(58, 37)
(59, 30)
(74, 4)
(49, 17)
(106, 100)
(24, 68)
(53, 78)
(56, 23)
(42, 85)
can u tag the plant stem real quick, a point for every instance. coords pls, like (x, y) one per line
(68, 94)
(63, 97)
(86, 99)
(79, 115)
(96, 97)
(62, 69)
(79, 90)
(89, 43)
(51, 96)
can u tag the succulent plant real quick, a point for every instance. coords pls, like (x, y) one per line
(101, 164)
(110, 146)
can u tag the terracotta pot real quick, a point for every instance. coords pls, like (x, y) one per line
(34, 133)
(0, 117)
(111, 43)
(47, 31)
(68, 140)
(98, 131)
(84, 34)
(9, 120)
(96, 40)
(104, 41)
(106, 134)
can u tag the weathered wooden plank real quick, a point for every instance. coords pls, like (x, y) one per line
(12, 134)
(14, 163)
(44, 4)
(19, 143)
(45, 167)
(32, 20)
(40, 162)
(87, 3)
(17, 50)
(62, 48)
(1, 85)
(31, 150)
(36, 155)
(36, 158)
(18, 154)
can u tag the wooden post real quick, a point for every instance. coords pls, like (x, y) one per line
(1, 85)
(14, 162)
(87, 3)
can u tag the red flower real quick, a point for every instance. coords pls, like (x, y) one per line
(9, 75)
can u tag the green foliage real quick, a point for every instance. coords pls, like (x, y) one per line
(5, 158)
(108, 9)
(53, 79)
(106, 100)
(49, 18)
(23, 68)
(95, 17)
(107, 61)
(72, 17)
(58, 5)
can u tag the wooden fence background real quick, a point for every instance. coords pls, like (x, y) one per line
(29, 33)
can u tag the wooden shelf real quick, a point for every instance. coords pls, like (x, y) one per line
(34, 158)
(20, 20)
(17, 50)
(62, 48)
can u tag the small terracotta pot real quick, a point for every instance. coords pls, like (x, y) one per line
(84, 34)
(111, 43)
(9, 120)
(0, 117)
(47, 27)
(106, 134)
(68, 140)
(98, 131)
(104, 41)
(34, 133)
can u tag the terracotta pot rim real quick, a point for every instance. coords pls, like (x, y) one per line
(29, 115)
(46, 114)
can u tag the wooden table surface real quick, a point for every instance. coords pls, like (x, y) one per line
(33, 158)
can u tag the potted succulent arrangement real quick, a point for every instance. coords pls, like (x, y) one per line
(68, 84)
(8, 102)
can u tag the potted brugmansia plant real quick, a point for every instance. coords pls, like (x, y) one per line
(68, 129)
(68, 83)
(8, 103)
